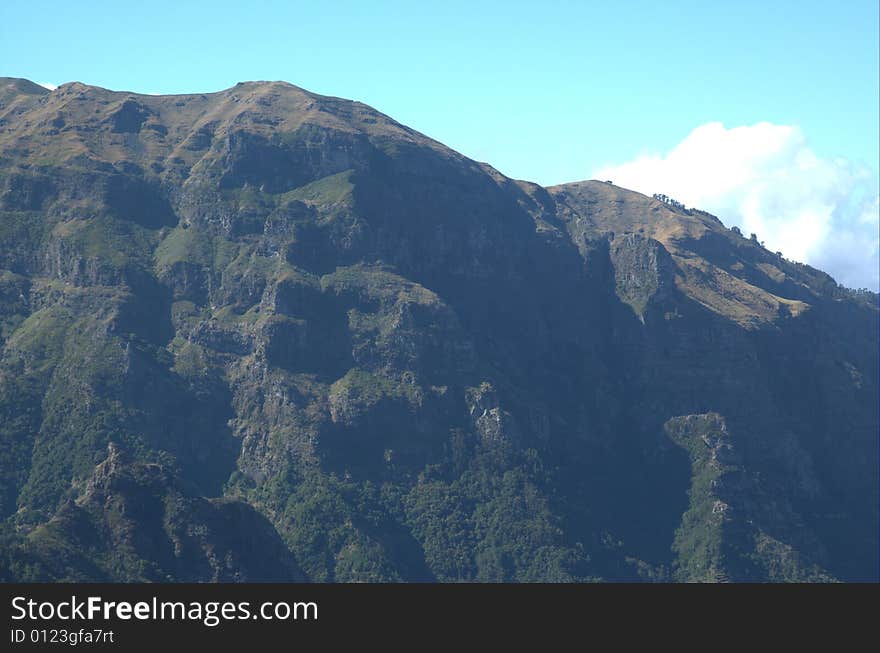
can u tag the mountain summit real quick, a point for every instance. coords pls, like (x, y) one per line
(264, 334)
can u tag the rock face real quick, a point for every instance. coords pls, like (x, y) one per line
(263, 334)
(643, 271)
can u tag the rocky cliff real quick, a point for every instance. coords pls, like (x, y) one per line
(263, 334)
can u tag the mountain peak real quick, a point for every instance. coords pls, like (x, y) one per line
(14, 90)
(20, 85)
(295, 317)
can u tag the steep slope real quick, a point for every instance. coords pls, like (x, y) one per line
(719, 268)
(132, 522)
(401, 362)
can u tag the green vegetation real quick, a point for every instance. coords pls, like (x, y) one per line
(291, 339)
(190, 245)
(699, 540)
(328, 190)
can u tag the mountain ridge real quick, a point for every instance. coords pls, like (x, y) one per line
(258, 89)
(405, 364)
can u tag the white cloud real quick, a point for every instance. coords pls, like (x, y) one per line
(51, 87)
(765, 179)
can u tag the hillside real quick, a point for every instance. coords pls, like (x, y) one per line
(264, 334)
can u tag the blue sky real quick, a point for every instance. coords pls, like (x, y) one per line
(550, 91)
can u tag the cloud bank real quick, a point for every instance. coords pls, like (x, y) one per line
(51, 87)
(765, 179)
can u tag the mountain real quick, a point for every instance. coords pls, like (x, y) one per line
(264, 334)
